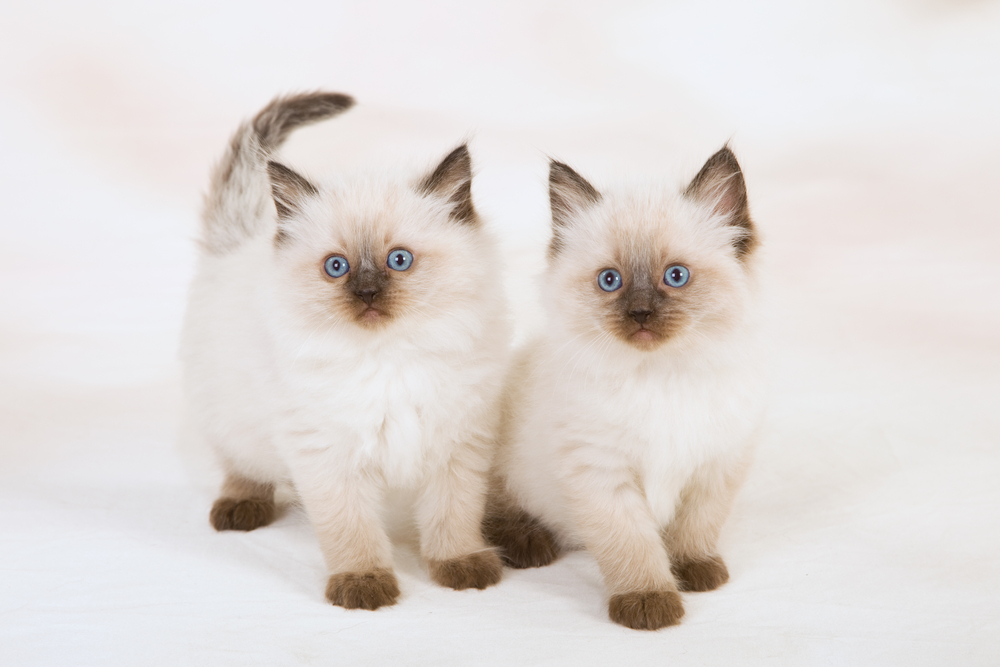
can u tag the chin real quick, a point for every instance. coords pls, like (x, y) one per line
(645, 340)
(371, 318)
(642, 339)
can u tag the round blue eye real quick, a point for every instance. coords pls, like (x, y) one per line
(609, 280)
(336, 266)
(400, 260)
(676, 275)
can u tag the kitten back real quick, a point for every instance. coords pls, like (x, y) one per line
(238, 200)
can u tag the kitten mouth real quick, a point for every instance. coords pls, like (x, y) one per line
(370, 314)
(644, 335)
(645, 339)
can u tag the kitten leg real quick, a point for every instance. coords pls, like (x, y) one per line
(619, 529)
(345, 513)
(692, 537)
(243, 504)
(523, 540)
(450, 515)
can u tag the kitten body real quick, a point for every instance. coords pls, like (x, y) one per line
(632, 416)
(352, 385)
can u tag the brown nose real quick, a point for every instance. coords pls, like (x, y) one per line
(640, 316)
(367, 295)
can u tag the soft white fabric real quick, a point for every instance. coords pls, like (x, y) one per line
(868, 530)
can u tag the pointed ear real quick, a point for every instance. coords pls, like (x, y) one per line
(720, 185)
(289, 190)
(452, 180)
(569, 195)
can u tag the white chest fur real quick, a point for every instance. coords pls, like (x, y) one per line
(364, 411)
(661, 421)
(690, 420)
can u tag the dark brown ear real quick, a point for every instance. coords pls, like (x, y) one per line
(288, 189)
(569, 194)
(720, 184)
(452, 180)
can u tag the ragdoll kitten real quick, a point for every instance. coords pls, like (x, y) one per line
(348, 339)
(632, 416)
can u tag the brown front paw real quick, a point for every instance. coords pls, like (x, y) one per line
(523, 540)
(646, 610)
(475, 570)
(705, 574)
(241, 514)
(363, 590)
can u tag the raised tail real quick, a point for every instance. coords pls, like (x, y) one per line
(239, 199)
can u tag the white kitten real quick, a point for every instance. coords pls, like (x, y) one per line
(348, 340)
(631, 418)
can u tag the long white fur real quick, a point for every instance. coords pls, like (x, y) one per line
(602, 439)
(288, 392)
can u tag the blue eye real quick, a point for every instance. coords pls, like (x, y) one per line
(336, 266)
(400, 260)
(676, 275)
(609, 280)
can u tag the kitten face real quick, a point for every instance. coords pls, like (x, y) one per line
(371, 254)
(649, 267)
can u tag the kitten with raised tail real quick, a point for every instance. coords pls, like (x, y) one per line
(631, 419)
(348, 339)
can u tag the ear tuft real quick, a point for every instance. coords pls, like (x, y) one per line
(289, 189)
(452, 179)
(720, 184)
(569, 195)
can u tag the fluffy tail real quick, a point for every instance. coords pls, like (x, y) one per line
(239, 198)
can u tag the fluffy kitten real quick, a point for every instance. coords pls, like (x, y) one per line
(348, 340)
(631, 418)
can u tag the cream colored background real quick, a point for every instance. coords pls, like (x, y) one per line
(869, 134)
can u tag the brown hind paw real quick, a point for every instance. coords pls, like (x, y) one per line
(523, 540)
(704, 574)
(646, 610)
(475, 570)
(363, 590)
(241, 514)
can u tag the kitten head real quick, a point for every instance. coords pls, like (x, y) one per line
(651, 267)
(371, 253)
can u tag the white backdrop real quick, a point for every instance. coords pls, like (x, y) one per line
(868, 532)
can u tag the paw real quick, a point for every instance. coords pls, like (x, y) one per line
(704, 574)
(246, 514)
(523, 540)
(646, 610)
(475, 570)
(363, 590)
